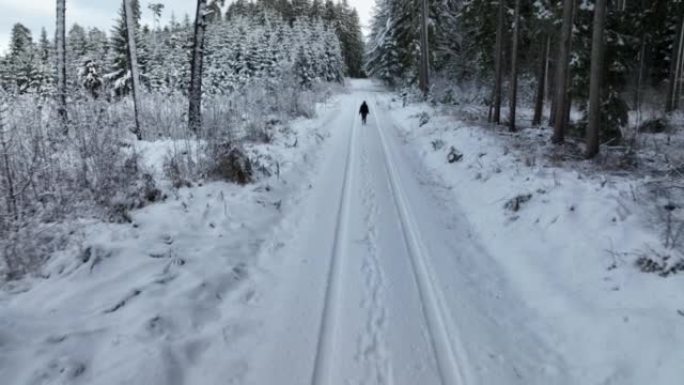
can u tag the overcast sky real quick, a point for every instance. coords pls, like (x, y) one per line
(36, 14)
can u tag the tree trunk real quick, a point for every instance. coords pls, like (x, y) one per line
(597, 54)
(674, 66)
(680, 70)
(498, 63)
(424, 46)
(60, 42)
(514, 68)
(562, 70)
(552, 90)
(541, 81)
(133, 65)
(195, 92)
(10, 195)
(640, 80)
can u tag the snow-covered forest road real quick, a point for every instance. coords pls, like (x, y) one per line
(385, 284)
(366, 259)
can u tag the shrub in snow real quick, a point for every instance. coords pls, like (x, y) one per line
(90, 78)
(654, 126)
(516, 203)
(259, 132)
(423, 119)
(663, 265)
(454, 155)
(140, 192)
(231, 163)
(46, 177)
(438, 144)
(180, 169)
(25, 249)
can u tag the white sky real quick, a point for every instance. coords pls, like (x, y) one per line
(36, 14)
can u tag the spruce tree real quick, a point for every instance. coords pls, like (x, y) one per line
(382, 58)
(316, 10)
(77, 54)
(60, 43)
(303, 69)
(119, 69)
(301, 8)
(89, 76)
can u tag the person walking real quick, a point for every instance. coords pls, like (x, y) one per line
(364, 112)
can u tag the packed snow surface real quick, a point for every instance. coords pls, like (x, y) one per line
(370, 259)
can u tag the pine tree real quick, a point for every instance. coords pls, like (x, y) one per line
(597, 54)
(424, 67)
(513, 99)
(301, 8)
(238, 8)
(77, 54)
(90, 78)
(97, 48)
(330, 12)
(284, 7)
(44, 48)
(303, 69)
(195, 91)
(46, 61)
(446, 37)
(21, 41)
(479, 20)
(60, 42)
(333, 63)
(132, 59)
(119, 75)
(23, 63)
(543, 34)
(316, 10)
(676, 60)
(382, 58)
(77, 42)
(351, 38)
(176, 51)
(562, 74)
(26, 71)
(498, 63)
(6, 81)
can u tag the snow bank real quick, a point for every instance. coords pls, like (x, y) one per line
(567, 240)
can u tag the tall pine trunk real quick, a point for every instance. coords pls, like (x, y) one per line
(60, 42)
(195, 91)
(675, 66)
(597, 55)
(514, 68)
(562, 71)
(499, 64)
(541, 81)
(424, 46)
(551, 77)
(133, 65)
(639, 84)
(679, 72)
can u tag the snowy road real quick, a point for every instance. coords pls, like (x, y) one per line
(370, 260)
(383, 282)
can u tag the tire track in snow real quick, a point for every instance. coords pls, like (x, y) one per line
(372, 349)
(449, 354)
(322, 361)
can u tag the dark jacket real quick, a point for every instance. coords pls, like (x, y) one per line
(364, 109)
